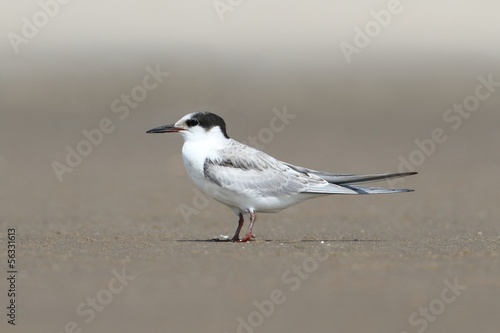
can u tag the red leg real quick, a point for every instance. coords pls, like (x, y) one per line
(236, 237)
(249, 234)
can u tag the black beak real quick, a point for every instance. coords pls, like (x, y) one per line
(165, 129)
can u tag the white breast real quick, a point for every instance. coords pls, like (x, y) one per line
(194, 154)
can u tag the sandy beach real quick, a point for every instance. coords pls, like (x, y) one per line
(111, 235)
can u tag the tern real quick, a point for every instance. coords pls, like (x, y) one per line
(248, 180)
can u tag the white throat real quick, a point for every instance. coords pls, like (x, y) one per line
(198, 145)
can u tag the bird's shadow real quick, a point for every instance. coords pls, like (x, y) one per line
(217, 240)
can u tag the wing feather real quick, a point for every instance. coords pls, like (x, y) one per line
(254, 174)
(245, 170)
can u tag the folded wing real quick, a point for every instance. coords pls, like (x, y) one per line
(245, 170)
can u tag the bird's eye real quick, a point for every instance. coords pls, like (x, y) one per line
(192, 122)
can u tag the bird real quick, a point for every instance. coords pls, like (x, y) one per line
(248, 180)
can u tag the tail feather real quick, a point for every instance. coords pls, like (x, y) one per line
(351, 189)
(376, 190)
(340, 178)
(345, 183)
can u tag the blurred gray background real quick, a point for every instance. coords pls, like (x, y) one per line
(242, 60)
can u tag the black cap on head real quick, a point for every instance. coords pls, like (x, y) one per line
(207, 120)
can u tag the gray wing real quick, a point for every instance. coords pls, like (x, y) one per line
(245, 170)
